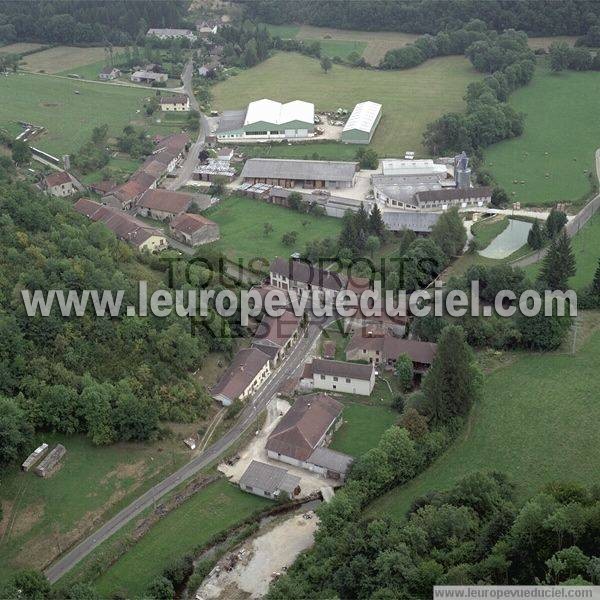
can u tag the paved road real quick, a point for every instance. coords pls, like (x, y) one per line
(187, 168)
(291, 367)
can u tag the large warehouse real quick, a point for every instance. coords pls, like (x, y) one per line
(362, 123)
(312, 174)
(267, 119)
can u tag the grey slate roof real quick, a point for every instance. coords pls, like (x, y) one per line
(307, 273)
(339, 368)
(330, 459)
(268, 478)
(448, 194)
(419, 222)
(231, 119)
(323, 170)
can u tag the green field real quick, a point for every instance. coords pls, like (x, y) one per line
(586, 247)
(285, 32)
(411, 99)
(242, 236)
(537, 422)
(562, 132)
(208, 512)
(68, 117)
(306, 151)
(45, 516)
(489, 229)
(340, 48)
(363, 426)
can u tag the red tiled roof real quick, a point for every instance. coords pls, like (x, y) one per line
(59, 178)
(103, 186)
(277, 330)
(304, 425)
(175, 142)
(174, 100)
(190, 223)
(166, 201)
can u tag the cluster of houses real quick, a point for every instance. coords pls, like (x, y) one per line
(120, 204)
(301, 437)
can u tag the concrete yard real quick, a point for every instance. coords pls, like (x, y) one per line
(255, 450)
(261, 559)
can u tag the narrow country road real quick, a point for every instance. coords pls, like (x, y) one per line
(187, 168)
(291, 367)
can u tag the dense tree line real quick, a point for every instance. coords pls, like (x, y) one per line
(86, 21)
(537, 17)
(488, 119)
(111, 378)
(562, 57)
(473, 533)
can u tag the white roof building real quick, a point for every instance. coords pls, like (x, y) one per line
(404, 168)
(363, 116)
(270, 111)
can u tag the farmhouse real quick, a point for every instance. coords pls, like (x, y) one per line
(58, 184)
(300, 437)
(294, 275)
(339, 376)
(268, 481)
(176, 144)
(276, 335)
(174, 103)
(247, 371)
(310, 174)
(109, 73)
(382, 348)
(362, 123)
(207, 28)
(124, 226)
(267, 119)
(144, 76)
(194, 230)
(163, 205)
(169, 33)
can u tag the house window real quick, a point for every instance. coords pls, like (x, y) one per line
(322, 376)
(347, 380)
(335, 378)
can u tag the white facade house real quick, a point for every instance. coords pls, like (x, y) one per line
(339, 376)
(174, 103)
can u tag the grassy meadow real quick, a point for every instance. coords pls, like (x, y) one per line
(487, 230)
(411, 99)
(552, 160)
(63, 58)
(537, 422)
(242, 235)
(216, 508)
(68, 117)
(43, 517)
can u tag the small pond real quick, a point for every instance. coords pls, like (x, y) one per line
(509, 241)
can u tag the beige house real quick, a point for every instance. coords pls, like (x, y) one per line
(109, 73)
(58, 184)
(275, 336)
(339, 376)
(244, 376)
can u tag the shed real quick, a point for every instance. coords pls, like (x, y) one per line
(268, 481)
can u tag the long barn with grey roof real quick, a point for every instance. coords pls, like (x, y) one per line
(305, 173)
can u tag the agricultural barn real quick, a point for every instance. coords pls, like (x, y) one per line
(267, 119)
(362, 123)
(163, 204)
(174, 103)
(311, 174)
(449, 197)
(419, 222)
(144, 76)
(194, 230)
(301, 437)
(410, 171)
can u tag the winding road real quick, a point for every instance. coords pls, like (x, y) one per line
(291, 366)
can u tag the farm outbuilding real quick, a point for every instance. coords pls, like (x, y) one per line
(267, 119)
(362, 123)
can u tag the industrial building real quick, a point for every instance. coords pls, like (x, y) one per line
(266, 119)
(312, 174)
(362, 123)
